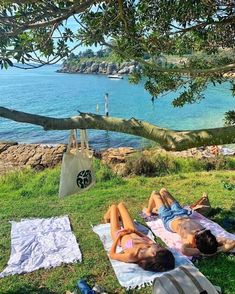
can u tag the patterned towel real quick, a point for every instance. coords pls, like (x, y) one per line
(130, 275)
(173, 240)
(41, 243)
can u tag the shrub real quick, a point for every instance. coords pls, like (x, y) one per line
(163, 164)
(186, 165)
(141, 165)
(104, 173)
(219, 163)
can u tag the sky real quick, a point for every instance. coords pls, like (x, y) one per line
(73, 26)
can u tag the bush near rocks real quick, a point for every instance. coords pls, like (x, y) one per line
(157, 164)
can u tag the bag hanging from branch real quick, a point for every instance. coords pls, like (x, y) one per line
(77, 174)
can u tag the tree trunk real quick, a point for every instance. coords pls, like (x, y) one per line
(166, 138)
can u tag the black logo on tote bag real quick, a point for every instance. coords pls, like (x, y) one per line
(84, 179)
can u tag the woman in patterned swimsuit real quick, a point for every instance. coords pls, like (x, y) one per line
(136, 247)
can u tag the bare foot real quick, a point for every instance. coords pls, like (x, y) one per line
(146, 211)
(155, 210)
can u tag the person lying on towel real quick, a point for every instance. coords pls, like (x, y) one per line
(196, 239)
(136, 247)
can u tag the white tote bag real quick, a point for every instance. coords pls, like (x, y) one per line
(77, 174)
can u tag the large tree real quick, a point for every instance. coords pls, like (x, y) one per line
(38, 32)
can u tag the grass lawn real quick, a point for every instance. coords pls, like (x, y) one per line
(28, 195)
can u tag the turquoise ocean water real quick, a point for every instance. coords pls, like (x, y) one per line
(45, 92)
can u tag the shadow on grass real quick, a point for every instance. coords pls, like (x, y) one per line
(225, 218)
(219, 270)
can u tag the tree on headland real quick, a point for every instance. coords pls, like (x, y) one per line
(88, 53)
(38, 32)
(101, 53)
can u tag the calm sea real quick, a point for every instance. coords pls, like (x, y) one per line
(45, 92)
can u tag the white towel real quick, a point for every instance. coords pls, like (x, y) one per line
(41, 243)
(130, 275)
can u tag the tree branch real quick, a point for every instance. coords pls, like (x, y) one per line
(78, 8)
(166, 138)
(228, 20)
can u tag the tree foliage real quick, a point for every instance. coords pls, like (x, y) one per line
(38, 32)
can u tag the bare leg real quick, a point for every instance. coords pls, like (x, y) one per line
(167, 197)
(164, 200)
(114, 221)
(125, 217)
(107, 215)
(155, 202)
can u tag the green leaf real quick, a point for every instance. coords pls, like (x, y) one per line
(9, 62)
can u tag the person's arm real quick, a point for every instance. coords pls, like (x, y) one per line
(145, 237)
(125, 257)
(187, 250)
(225, 245)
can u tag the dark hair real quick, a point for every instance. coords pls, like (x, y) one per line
(206, 242)
(163, 261)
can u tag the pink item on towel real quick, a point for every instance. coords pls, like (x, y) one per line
(129, 244)
(173, 240)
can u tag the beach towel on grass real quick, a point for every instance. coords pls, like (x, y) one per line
(173, 240)
(41, 243)
(130, 275)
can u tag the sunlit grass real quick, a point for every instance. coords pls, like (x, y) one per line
(28, 194)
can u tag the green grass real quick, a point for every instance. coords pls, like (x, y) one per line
(29, 194)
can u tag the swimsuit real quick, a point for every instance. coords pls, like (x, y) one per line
(167, 215)
(128, 244)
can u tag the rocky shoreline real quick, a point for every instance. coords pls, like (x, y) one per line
(15, 156)
(110, 68)
(38, 156)
(105, 68)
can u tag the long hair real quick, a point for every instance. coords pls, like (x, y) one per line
(161, 262)
(206, 242)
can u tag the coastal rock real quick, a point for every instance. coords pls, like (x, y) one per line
(93, 67)
(102, 67)
(82, 67)
(124, 70)
(38, 156)
(116, 159)
(5, 145)
(88, 63)
(111, 68)
(116, 155)
(132, 68)
(120, 169)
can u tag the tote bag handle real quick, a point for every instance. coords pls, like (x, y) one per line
(84, 140)
(72, 141)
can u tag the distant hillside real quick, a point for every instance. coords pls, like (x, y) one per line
(99, 67)
(106, 62)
